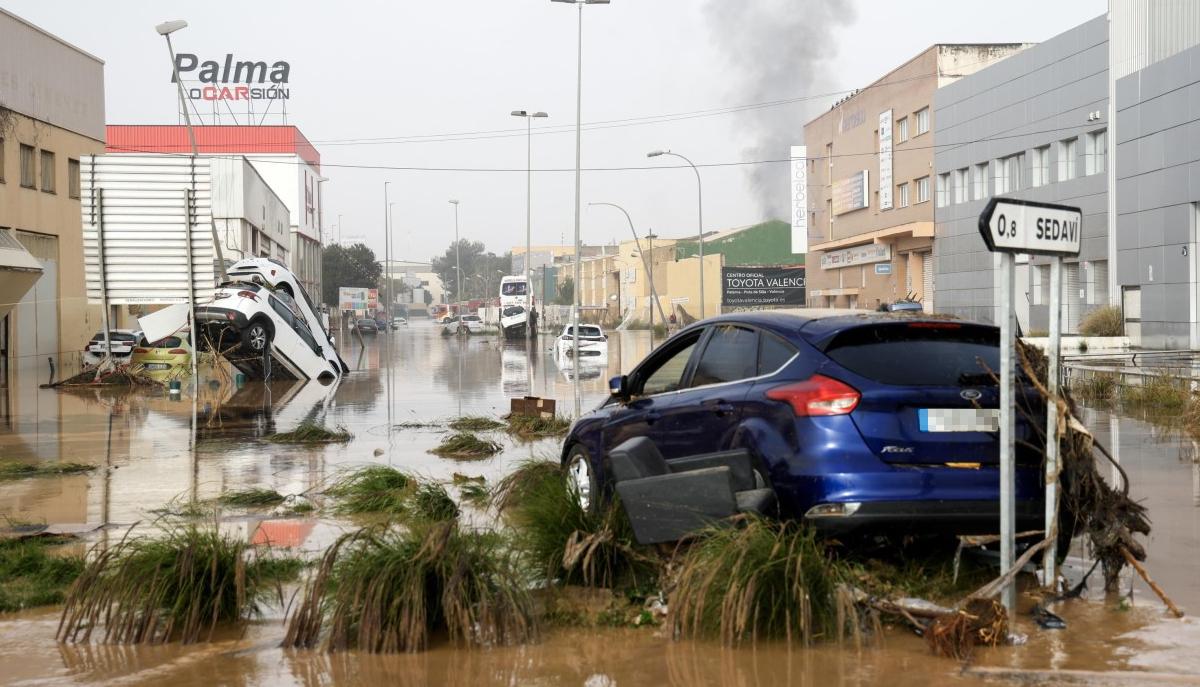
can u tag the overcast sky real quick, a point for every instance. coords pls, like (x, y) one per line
(369, 70)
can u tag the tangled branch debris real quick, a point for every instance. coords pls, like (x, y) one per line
(1106, 514)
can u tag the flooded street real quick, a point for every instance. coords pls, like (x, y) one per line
(143, 440)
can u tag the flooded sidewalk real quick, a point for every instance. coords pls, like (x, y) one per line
(403, 389)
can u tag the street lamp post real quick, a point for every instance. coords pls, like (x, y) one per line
(528, 117)
(578, 145)
(457, 262)
(165, 30)
(699, 216)
(648, 265)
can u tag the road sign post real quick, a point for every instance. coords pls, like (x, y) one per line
(1010, 226)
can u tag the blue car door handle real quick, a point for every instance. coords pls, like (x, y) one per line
(652, 417)
(719, 406)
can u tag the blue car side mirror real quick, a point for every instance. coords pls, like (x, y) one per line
(618, 386)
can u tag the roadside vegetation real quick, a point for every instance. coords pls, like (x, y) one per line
(475, 423)
(387, 590)
(35, 571)
(179, 585)
(311, 433)
(372, 489)
(466, 445)
(251, 498)
(11, 469)
(537, 427)
(1105, 321)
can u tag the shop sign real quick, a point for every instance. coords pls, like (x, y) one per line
(231, 79)
(858, 255)
(755, 286)
(850, 194)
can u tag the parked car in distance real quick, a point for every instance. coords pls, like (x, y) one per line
(263, 332)
(903, 306)
(859, 421)
(593, 343)
(367, 325)
(398, 322)
(123, 343)
(165, 359)
(470, 324)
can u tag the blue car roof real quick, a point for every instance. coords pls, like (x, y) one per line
(818, 324)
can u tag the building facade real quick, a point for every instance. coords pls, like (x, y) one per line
(1102, 117)
(281, 155)
(871, 182)
(1158, 201)
(1033, 127)
(51, 115)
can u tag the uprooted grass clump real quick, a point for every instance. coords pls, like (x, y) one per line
(561, 541)
(373, 489)
(475, 423)
(311, 433)
(760, 580)
(181, 586)
(11, 469)
(536, 426)
(33, 573)
(463, 445)
(388, 590)
(251, 498)
(431, 502)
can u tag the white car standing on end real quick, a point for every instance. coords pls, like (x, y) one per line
(263, 333)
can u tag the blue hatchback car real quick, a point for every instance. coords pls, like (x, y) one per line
(858, 420)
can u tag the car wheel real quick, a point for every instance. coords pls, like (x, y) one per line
(581, 479)
(257, 336)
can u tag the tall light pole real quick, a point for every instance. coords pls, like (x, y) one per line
(165, 30)
(699, 215)
(457, 262)
(528, 117)
(578, 140)
(647, 265)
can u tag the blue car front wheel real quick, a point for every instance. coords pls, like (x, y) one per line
(581, 479)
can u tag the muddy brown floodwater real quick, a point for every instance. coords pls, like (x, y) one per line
(144, 441)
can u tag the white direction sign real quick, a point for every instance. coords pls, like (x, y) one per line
(1009, 225)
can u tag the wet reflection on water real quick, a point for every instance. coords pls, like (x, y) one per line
(140, 438)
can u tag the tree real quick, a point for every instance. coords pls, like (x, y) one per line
(481, 270)
(350, 266)
(566, 292)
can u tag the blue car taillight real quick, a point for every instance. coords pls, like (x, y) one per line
(817, 396)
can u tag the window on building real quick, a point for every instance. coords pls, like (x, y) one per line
(1040, 291)
(1013, 166)
(979, 192)
(922, 116)
(47, 170)
(1095, 150)
(943, 189)
(72, 178)
(1040, 170)
(1, 160)
(902, 130)
(28, 175)
(923, 189)
(1066, 159)
(960, 185)
(1000, 174)
(902, 194)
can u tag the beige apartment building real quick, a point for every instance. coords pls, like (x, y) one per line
(871, 183)
(51, 115)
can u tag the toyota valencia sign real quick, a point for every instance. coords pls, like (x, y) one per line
(756, 286)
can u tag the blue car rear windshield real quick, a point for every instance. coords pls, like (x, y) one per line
(920, 353)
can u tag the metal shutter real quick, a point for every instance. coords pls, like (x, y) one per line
(927, 281)
(1071, 301)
